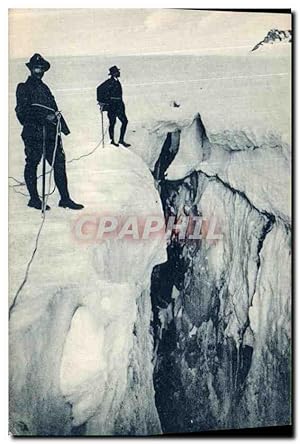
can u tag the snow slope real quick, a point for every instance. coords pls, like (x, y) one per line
(75, 352)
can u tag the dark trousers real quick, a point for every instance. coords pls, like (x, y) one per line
(117, 110)
(33, 153)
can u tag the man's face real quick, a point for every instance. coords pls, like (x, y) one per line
(117, 74)
(37, 71)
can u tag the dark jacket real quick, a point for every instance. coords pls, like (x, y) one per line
(33, 118)
(109, 93)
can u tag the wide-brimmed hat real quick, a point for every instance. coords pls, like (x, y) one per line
(114, 70)
(38, 60)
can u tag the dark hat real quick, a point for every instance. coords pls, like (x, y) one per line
(113, 70)
(38, 60)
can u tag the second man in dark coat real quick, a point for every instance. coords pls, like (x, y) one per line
(109, 97)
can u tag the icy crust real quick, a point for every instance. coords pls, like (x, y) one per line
(257, 165)
(81, 348)
(94, 363)
(254, 162)
(136, 414)
(192, 143)
(270, 322)
(78, 363)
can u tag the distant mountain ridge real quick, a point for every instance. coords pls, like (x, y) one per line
(275, 36)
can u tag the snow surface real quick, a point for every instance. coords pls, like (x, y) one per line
(100, 289)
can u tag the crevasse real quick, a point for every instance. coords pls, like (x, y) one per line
(223, 311)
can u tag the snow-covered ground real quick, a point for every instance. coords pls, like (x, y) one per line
(242, 145)
(103, 284)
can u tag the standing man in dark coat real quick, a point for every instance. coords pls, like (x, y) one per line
(109, 97)
(37, 111)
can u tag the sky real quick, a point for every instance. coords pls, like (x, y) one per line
(76, 32)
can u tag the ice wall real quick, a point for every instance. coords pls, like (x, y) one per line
(224, 311)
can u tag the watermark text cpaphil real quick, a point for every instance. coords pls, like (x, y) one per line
(96, 228)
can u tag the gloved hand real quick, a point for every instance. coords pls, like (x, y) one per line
(51, 118)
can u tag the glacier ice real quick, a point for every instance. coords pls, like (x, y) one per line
(77, 357)
(226, 330)
(83, 355)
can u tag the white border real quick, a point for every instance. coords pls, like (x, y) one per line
(4, 5)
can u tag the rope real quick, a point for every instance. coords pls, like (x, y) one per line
(28, 267)
(58, 134)
(16, 180)
(58, 130)
(44, 106)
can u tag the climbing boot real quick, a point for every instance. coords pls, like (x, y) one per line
(69, 203)
(37, 204)
(122, 142)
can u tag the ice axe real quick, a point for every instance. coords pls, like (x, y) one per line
(44, 171)
(102, 123)
(102, 127)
